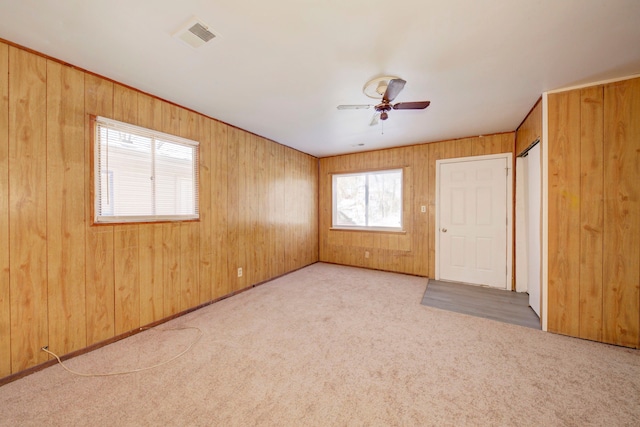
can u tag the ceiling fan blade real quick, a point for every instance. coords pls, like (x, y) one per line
(418, 105)
(394, 88)
(353, 107)
(374, 119)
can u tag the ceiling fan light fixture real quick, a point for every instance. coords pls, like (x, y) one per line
(382, 87)
(377, 87)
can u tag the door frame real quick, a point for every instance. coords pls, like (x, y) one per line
(534, 287)
(509, 208)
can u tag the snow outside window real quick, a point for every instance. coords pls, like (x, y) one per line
(368, 200)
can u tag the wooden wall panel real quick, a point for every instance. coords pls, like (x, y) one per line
(171, 231)
(189, 261)
(243, 210)
(413, 252)
(189, 232)
(5, 303)
(508, 141)
(281, 212)
(530, 129)
(272, 210)
(421, 198)
(261, 213)
(27, 207)
(326, 252)
(99, 257)
(251, 210)
(205, 266)
(591, 211)
(621, 269)
(150, 251)
(233, 205)
(594, 213)
(171, 268)
(464, 147)
(127, 278)
(126, 237)
(291, 251)
(65, 208)
(564, 213)
(480, 147)
(150, 241)
(220, 188)
(302, 204)
(254, 218)
(69, 283)
(311, 204)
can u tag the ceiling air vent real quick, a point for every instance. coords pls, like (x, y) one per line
(195, 33)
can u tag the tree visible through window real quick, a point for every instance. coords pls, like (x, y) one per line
(143, 175)
(368, 200)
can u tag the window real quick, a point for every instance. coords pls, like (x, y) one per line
(142, 175)
(368, 200)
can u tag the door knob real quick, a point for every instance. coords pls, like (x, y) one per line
(444, 230)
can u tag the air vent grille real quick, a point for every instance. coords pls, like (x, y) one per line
(200, 31)
(195, 33)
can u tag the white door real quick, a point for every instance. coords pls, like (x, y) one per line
(473, 221)
(534, 202)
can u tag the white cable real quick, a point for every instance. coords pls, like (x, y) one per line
(108, 374)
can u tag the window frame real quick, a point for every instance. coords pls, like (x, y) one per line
(96, 122)
(367, 173)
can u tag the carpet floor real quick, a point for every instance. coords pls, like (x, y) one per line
(332, 345)
(480, 301)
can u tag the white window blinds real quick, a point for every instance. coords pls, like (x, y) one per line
(142, 175)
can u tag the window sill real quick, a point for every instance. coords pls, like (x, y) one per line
(368, 230)
(146, 221)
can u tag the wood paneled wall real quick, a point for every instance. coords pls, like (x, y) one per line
(594, 213)
(69, 284)
(530, 129)
(412, 252)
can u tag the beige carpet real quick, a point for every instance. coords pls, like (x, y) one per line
(331, 345)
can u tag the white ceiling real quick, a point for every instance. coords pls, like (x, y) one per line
(279, 68)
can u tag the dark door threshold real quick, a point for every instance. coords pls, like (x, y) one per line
(496, 304)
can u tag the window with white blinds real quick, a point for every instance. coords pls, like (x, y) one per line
(142, 175)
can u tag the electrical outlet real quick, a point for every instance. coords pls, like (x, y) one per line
(366, 254)
(239, 271)
(423, 209)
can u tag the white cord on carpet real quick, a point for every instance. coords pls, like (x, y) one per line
(109, 374)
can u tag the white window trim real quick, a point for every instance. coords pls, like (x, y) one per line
(129, 128)
(334, 207)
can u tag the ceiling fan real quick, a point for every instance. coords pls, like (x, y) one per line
(388, 88)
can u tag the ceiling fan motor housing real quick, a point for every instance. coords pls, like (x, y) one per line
(382, 108)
